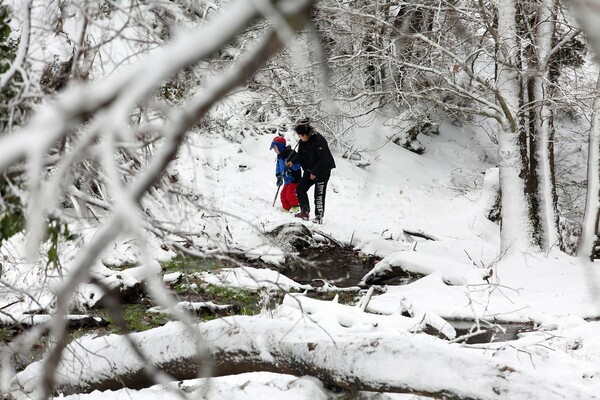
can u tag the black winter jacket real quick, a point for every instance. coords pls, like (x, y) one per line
(315, 156)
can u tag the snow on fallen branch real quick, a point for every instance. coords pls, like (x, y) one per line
(451, 272)
(332, 316)
(255, 279)
(381, 362)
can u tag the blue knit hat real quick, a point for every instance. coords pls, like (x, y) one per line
(279, 141)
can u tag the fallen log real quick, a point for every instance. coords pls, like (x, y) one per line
(371, 362)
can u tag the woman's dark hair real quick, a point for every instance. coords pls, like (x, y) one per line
(303, 129)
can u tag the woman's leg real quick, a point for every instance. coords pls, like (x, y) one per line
(320, 190)
(302, 192)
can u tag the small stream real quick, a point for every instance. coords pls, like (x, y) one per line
(344, 267)
(338, 266)
(490, 333)
(321, 259)
(317, 263)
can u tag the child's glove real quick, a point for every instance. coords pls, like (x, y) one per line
(279, 180)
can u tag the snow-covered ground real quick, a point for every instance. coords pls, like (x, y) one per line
(438, 194)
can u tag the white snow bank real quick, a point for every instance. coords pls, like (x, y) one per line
(267, 253)
(452, 273)
(249, 386)
(519, 291)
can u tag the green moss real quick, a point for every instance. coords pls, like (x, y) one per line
(192, 264)
(173, 265)
(6, 335)
(247, 300)
(136, 318)
(226, 293)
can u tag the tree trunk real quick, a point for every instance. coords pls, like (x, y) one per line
(588, 16)
(546, 196)
(517, 225)
(590, 226)
(374, 362)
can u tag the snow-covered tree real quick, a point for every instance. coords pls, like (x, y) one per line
(589, 19)
(404, 61)
(588, 246)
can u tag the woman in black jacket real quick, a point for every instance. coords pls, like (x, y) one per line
(317, 162)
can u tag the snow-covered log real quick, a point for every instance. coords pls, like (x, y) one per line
(251, 278)
(402, 262)
(373, 362)
(125, 283)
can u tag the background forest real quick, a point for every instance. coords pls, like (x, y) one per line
(136, 170)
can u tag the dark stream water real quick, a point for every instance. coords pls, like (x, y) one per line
(489, 333)
(340, 266)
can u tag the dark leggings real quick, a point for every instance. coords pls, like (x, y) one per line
(320, 188)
